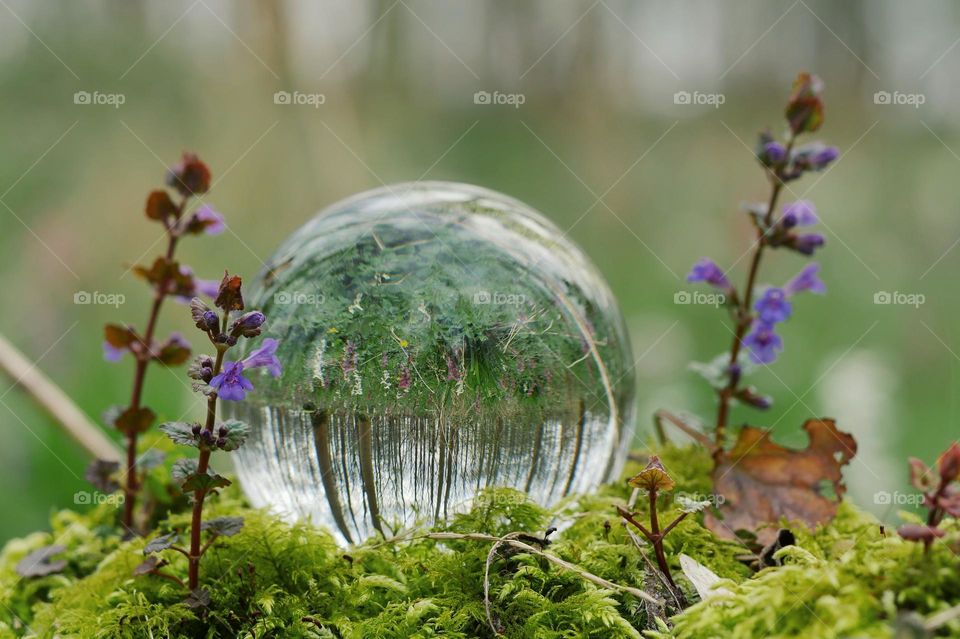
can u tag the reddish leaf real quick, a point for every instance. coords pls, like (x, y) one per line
(762, 481)
(119, 336)
(922, 477)
(804, 108)
(949, 463)
(135, 421)
(920, 532)
(229, 297)
(160, 206)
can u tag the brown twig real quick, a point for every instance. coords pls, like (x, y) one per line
(663, 415)
(54, 401)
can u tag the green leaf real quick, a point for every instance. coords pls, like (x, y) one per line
(205, 481)
(236, 434)
(183, 468)
(160, 543)
(181, 433)
(224, 526)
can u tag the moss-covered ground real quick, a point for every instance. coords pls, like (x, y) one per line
(848, 579)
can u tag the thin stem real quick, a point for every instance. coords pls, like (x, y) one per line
(743, 315)
(673, 523)
(196, 552)
(132, 484)
(167, 575)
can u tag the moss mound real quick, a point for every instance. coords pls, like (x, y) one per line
(280, 580)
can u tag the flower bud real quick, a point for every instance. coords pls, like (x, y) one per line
(248, 324)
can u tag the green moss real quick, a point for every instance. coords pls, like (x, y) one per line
(276, 579)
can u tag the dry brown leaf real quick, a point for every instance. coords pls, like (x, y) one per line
(762, 481)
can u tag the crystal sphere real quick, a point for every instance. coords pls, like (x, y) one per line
(437, 339)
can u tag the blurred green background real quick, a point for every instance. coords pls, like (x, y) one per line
(646, 186)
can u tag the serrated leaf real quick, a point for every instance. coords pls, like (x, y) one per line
(236, 435)
(100, 475)
(224, 526)
(199, 598)
(160, 543)
(38, 564)
(183, 468)
(151, 459)
(180, 433)
(147, 566)
(205, 481)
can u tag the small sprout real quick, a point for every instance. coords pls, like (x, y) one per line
(148, 566)
(197, 599)
(39, 564)
(653, 479)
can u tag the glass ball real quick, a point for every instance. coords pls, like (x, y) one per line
(437, 339)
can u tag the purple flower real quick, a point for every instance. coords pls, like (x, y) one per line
(773, 306)
(815, 157)
(208, 220)
(208, 288)
(806, 280)
(231, 385)
(763, 343)
(706, 270)
(265, 357)
(808, 243)
(799, 213)
(111, 353)
(773, 153)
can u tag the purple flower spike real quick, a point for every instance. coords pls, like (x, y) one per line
(265, 357)
(799, 213)
(763, 343)
(706, 270)
(773, 306)
(211, 221)
(806, 280)
(231, 385)
(808, 243)
(112, 353)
